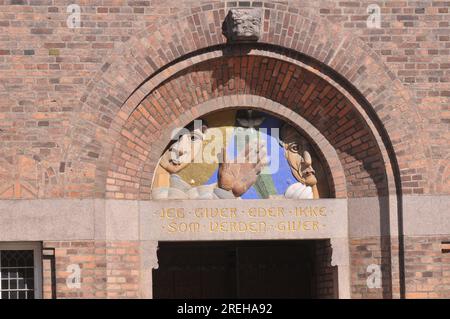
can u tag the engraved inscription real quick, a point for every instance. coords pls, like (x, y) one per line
(249, 220)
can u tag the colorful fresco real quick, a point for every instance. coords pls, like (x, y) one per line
(243, 154)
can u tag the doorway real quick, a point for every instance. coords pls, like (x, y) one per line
(238, 269)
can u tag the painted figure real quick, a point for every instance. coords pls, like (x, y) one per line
(253, 142)
(300, 161)
(234, 179)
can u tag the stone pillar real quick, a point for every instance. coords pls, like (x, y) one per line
(341, 258)
(149, 261)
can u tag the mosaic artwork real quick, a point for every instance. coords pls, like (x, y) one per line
(243, 154)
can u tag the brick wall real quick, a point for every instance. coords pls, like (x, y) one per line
(414, 44)
(426, 267)
(47, 69)
(427, 271)
(371, 257)
(64, 92)
(108, 269)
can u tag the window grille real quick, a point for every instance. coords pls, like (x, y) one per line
(19, 272)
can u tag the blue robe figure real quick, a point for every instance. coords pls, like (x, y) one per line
(277, 176)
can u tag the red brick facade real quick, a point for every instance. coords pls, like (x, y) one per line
(108, 269)
(427, 269)
(86, 113)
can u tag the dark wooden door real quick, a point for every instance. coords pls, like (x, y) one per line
(238, 269)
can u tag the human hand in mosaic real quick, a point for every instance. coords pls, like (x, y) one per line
(249, 138)
(239, 176)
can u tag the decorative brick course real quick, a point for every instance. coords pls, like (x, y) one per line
(279, 82)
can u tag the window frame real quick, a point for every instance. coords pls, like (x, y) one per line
(36, 247)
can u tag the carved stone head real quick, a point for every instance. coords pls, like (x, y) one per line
(243, 25)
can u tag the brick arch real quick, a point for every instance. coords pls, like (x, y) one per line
(131, 146)
(302, 93)
(122, 80)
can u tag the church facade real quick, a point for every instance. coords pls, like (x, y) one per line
(224, 149)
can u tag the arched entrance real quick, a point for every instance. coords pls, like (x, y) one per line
(329, 81)
(354, 160)
(245, 254)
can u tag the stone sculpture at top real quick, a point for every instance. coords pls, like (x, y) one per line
(243, 25)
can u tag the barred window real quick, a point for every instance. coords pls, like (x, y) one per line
(19, 271)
